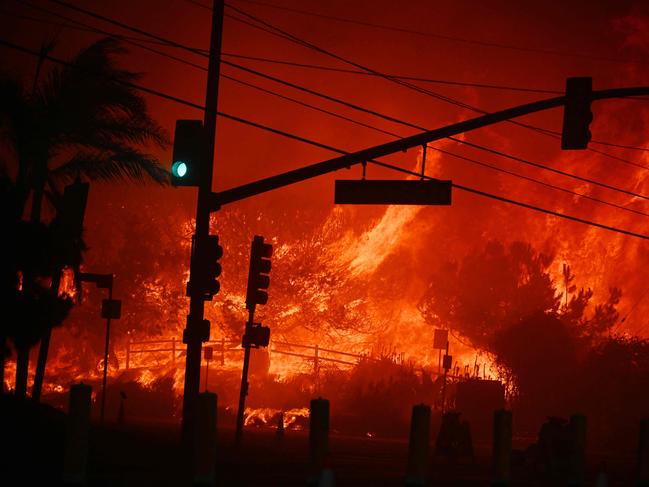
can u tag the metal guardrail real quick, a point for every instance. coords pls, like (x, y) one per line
(222, 347)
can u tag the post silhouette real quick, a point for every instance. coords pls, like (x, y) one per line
(418, 446)
(502, 448)
(77, 435)
(318, 434)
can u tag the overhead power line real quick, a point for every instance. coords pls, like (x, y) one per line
(350, 105)
(519, 203)
(279, 32)
(418, 127)
(139, 41)
(88, 28)
(467, 159)
(333, 149)
(434, 35)
(274, 30)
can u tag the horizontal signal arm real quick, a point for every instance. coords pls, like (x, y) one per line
(349, 159)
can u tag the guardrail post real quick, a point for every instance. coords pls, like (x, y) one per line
(173, 351)
(502, 447)
(77, 435)
(418, 446)
(205, 440)
(128, 354)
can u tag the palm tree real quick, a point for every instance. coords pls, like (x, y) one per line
(83, 120)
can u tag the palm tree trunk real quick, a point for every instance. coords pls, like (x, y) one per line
(45, 346)
(22, 361)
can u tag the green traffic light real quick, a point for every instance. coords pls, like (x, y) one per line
(179, 169)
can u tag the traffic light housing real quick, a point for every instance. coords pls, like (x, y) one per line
(197, 330)
(256, 336)
(206, 267)
(258, 275)
(188, 153)
(67, 226)
(577, 115)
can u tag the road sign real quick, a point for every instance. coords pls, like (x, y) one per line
(392, 192)
(208, 353)
(111, 309)
(440, 339)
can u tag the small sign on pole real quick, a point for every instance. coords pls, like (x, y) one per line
(111, 309)
(448, 362)
(440, 339)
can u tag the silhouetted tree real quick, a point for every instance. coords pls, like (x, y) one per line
(82, 120)
(490, 289)
(543, 355)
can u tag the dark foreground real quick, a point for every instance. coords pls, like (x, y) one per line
(147, 454)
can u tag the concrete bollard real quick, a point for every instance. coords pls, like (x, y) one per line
(319, 434)
(77, 435)
(418, 446)
(577, 427)
(502, 448)
(642, 467)
(205, 440)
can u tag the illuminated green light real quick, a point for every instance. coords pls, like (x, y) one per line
(179, 169)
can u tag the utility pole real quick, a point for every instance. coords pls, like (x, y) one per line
(192, 335)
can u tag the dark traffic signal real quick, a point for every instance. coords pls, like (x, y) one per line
(206, 256)
(258, 275)
(188, 153)
(256, 336)
(576, 114)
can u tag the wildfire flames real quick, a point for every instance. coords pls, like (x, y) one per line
(347, 283)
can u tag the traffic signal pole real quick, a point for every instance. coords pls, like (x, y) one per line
(243, 391)
(192, 335)
(106, 349)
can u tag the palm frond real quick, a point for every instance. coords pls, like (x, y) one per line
(89, 100)
(120, 163)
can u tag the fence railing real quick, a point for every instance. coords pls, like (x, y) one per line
(316, 356)
(221, 347)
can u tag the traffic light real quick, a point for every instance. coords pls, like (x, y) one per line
(67, 226)
(256, 336)
(188, 153)
(206, 267)
(199, 329)
(258, 275)
(576, 114)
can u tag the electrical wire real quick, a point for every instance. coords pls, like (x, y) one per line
(467, 159)
(312, 107)
(432, 34)
(485, 194)
(271, 29)
(356, 107)
(279, 32)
